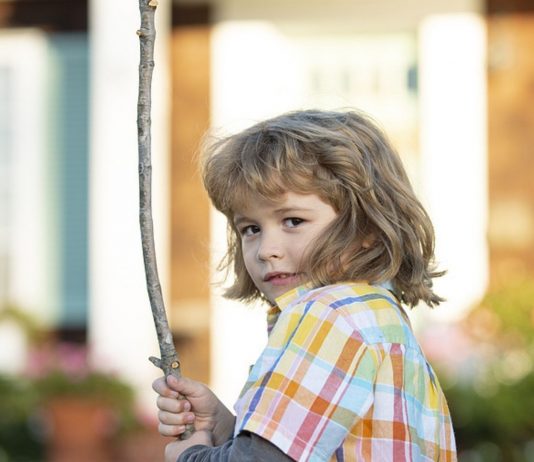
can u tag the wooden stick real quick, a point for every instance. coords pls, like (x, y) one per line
(169, 362)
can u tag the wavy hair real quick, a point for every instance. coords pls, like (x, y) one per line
(346, 160)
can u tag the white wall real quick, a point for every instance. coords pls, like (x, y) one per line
(32, 276)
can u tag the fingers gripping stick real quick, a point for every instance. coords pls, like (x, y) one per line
(174, 370)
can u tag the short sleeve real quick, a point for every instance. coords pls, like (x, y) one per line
(311, 384)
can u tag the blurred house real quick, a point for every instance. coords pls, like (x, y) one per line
(44, 146)
(450, 81)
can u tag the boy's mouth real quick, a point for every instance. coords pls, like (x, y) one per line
(280, 277)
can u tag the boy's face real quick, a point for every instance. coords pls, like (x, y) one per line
(275, 237)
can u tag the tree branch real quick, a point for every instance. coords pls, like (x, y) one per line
(169, 362)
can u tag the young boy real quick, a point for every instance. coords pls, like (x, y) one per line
(324, 226)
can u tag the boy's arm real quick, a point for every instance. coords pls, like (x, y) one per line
(246, 447)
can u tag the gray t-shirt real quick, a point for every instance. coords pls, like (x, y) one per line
(246, 447)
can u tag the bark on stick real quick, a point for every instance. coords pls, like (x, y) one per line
(169, 362)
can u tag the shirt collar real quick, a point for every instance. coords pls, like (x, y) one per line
(282, 302)
(285, 299)
(288, 297)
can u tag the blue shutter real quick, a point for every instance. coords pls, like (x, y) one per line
(69, 111)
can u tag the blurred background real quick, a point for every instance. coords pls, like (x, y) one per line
(452, 83)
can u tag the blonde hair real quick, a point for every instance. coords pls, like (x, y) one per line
(346, 160)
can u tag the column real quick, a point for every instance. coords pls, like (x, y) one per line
(454, 153)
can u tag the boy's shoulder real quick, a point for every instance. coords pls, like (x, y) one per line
(371, 310)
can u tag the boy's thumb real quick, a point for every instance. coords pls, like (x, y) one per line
(182, 385)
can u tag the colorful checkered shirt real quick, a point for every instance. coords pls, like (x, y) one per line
(343, 379)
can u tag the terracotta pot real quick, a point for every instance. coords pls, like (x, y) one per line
(80, 430)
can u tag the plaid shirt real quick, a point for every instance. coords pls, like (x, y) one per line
(343, 379)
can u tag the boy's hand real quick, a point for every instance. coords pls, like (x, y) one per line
(174, 449)
(201, 407)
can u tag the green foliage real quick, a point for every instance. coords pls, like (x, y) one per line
(506, 316)
(93, 386)
(55, 372)
(24, 400)
(62, 370)
(502, 420)
(19, 440)
(27, 323)
(492, 401)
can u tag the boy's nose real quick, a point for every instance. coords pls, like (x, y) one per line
(269, 249)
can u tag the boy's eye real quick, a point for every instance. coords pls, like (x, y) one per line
(293, 222)
(249, 230)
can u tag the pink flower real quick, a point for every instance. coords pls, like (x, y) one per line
(68, 358)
